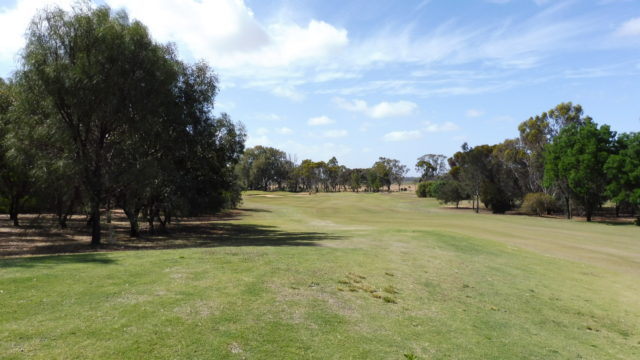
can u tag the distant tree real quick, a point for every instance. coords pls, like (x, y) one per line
(431, 166)
(563, 115)
(261, 167)
(535, 134)
(390, 171)
(450, 191)
(576, 159)
(472, 167)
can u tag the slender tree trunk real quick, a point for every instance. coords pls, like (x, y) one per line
(14, 207)
(109, 211)
(150, 220)
(477, 203)
(567, 202)
(95, 223)
(13, 215)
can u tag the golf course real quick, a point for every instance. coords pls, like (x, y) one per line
(336, 276)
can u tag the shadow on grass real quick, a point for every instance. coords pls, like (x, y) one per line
(210, 231)
(39, 261)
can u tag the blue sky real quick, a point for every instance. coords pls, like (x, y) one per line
(363, 79)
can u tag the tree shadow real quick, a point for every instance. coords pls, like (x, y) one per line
(230, 234)
(209, 231)
(47, 261)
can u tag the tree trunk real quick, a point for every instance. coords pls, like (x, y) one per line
(95, 223)
(62, 221)
(109, 211)
(567, 203)
(13, 211)
(134, 227)
(13, 215)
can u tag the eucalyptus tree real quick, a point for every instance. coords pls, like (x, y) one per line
(431, 166)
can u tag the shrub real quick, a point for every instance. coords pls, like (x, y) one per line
(429, 188)
(422, 189)
(538, 203)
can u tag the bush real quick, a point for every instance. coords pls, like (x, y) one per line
(428, 188)
(538, 203)
(422, 189)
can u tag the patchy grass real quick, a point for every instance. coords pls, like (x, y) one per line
(333, 276)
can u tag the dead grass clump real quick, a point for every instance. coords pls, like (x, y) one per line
(389, 299)
(354, 283)
(390, 289)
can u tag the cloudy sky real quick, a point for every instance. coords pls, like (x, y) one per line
(363, 79)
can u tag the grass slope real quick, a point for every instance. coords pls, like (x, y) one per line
(362, 276)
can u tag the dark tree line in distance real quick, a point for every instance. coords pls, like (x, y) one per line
(267, 169)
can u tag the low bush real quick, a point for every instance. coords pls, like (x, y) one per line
(538, 204)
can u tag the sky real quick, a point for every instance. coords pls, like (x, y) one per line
(361, 79)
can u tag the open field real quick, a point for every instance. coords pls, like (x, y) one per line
(336, 276)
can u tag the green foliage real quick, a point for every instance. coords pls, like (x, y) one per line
(71, 124)
(429, 188)
(450, 191)
(623, 170)
(576, 159)
(422, 189)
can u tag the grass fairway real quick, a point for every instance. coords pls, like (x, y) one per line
(339, 276)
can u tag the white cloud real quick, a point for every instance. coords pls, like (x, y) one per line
(335, 133)
(380, 110)
(266, 116)
(629, 28)
(317, 152)
(474, 113)
(262, 131)
(227, 33)
(14, 22)
(402, 135)
(444, 127)
(257, 140)
(289, 92)
(320, 120)
(284, 131)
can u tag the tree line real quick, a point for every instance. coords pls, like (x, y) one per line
(99, 115)
(267, 168)
(562, 161)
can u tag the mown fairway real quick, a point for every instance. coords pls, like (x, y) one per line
(339, 276)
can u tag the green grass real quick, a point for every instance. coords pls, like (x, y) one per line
(363, 276)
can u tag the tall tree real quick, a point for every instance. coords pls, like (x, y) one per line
(576, 159)
(106, 79)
